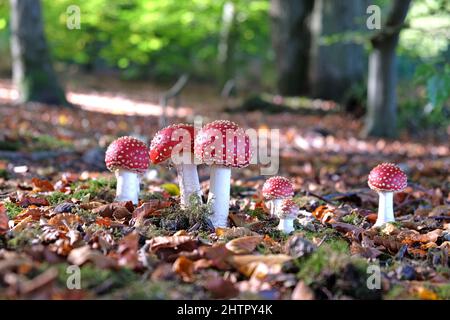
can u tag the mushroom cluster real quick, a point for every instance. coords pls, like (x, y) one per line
(223, 145)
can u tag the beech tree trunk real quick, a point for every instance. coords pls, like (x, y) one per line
(335, 67)
(291, 40)
(381, 118)
(33, 73)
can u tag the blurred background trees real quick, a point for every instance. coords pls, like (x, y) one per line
(315, 48)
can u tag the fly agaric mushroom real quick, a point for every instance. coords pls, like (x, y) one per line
(274, 190)
(128, 158)
(386, 178)
(287, 212)
(177, 143)
(222, 145)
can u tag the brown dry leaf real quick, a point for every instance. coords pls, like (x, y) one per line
(185, 268)
(128, 250)
(431, 236)
(259, 265)
(302, 292)
(33, 212)
(42, 185)
(63, 221)
(91, 205)
(217, 254)
(425, 294)
(150, 208)
(22, 224)
(440, 211)
(111, 210)
(391, 243)
(27, 200)
(221, 288)
(244, 245)
(366, 252)
(167, 247)
(324, 214)
(82, 255)
(4, 220)
(234, 232)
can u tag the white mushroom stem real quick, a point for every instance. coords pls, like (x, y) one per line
(385, 208)
(274, 205)
(188, 182)
(286, 225)
(219, 195)
(127, 186)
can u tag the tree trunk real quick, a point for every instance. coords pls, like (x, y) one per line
(291, 38)
(33, 73)
(337, 66)
(381, 118)
(228, 38)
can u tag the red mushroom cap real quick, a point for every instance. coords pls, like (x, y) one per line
(127, 153)
(166, 139)
(223, 143)
(387, 177)
(288, 209)
(277, 188)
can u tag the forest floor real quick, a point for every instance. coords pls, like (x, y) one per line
(57, 209)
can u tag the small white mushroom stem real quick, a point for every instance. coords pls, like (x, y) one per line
(188, 182)
(219, 195)
(286, 225)
(385, 208)
(127, 186)
(274, 206)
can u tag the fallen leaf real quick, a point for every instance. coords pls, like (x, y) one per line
(113, 210)
(221, 288)
(425, 294)
(244, 245)
(259, 265)
(64, 221)
(217, 254)
(234, 232)
(302, 292)
(128, 250)
(185, 268)
(167, 247)
(150, 208)
(4, 220)
(42, 185)
(82, 255)
(27, 200)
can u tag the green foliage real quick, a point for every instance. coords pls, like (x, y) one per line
(161, 38)
(12, 209)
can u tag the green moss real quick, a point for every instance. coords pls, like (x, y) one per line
(12, 210)
(57, 197)
(396, 292)
(328, 257)
(25, 237)
(353, 218)
(443, 291)
(48, 142)
(184, 218)
(4, 174)
(81, 190)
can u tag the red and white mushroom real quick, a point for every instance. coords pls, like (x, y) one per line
(287, 212)
(128, 158)
(386, 178)
(222, 145)
(274, 190)
(176, 142)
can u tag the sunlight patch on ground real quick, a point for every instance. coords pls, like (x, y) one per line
(103, 102)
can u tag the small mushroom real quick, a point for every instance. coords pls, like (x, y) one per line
(128, 158)
(274, 190)
(386, 178)
(222, 145)
(176, 142)
(287, 212)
